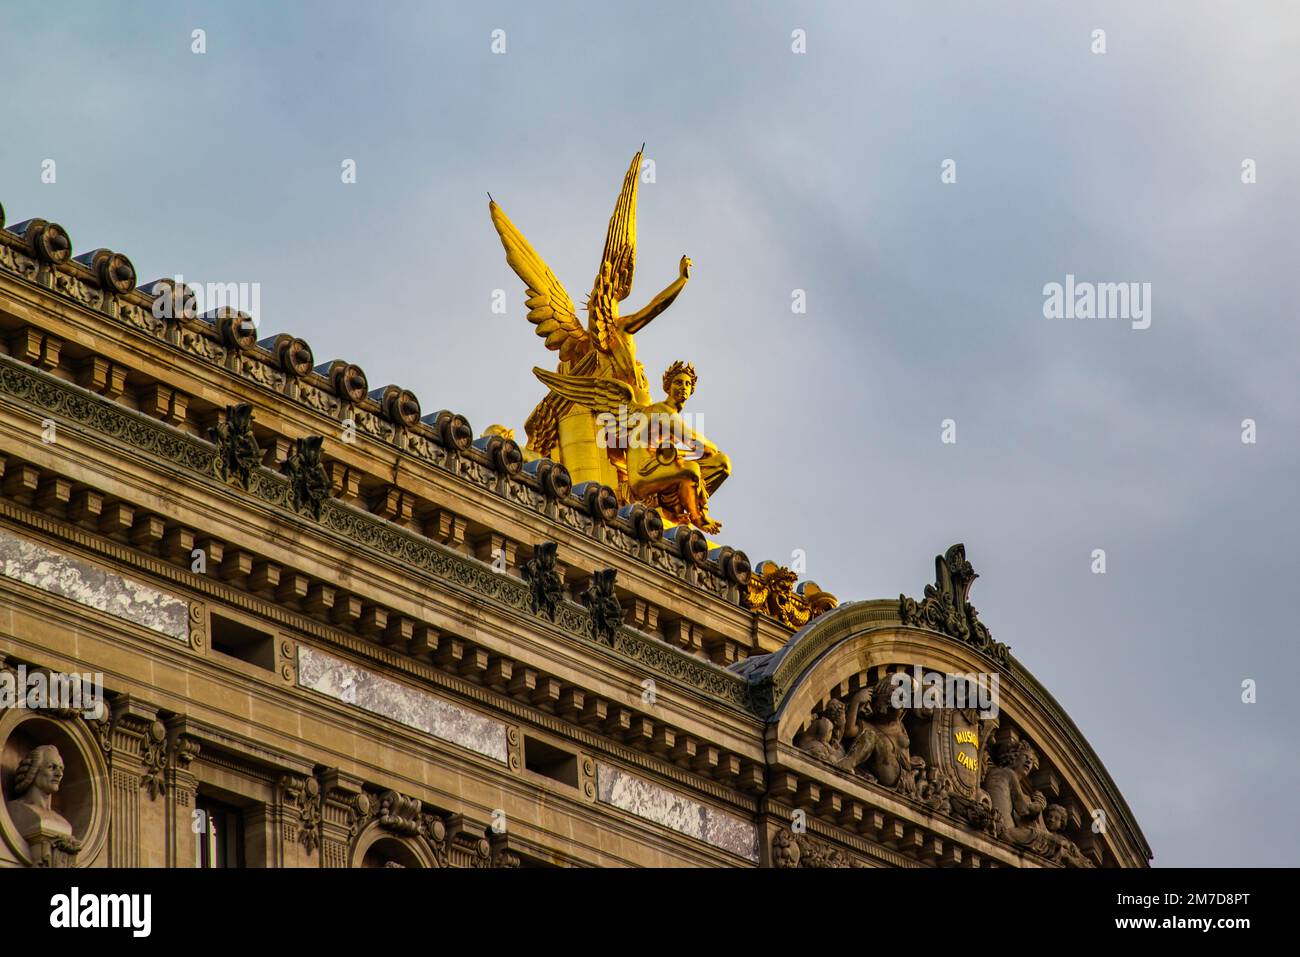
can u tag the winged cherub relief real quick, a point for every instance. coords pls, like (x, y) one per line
(564, 424)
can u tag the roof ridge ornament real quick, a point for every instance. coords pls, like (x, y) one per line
(771, 590)
(946, 607)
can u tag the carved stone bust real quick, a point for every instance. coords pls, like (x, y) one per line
(35, 782)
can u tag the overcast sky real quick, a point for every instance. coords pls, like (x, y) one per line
(820, 171)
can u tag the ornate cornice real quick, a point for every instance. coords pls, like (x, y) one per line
(281, 366)
(456, 572)
(369, 651)
(771, 677)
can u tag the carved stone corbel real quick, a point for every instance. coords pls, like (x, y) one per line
(136, 741)
(155, 758)
(434, 831)
(300, 801)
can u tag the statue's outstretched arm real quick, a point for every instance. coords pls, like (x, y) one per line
(639, 320)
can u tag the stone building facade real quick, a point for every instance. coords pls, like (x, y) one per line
(334, 631)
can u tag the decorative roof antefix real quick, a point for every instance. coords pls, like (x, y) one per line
(772, 591)
(946, 607)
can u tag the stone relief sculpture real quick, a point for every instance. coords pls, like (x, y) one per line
(309, 483)
(1063, 851)
(46, 831)
(876, 745)
(546, 585)
(823, 737)
(790, 850)
(1027, 819)
(602, 600)
(935, 791)
(1006, 785)
(238, 453)
(868, 735)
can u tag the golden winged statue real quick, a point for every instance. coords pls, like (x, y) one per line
(668, 464)
(565, 425)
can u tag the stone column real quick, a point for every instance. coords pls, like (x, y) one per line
(295, 817)
(182, 795)
(137, 757)
(338, 813)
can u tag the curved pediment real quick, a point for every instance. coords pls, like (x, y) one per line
(949, 722)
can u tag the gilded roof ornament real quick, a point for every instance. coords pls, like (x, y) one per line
(772, 591)
(598, 417)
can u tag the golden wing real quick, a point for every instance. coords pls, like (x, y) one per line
(614, 280)
(549, 307)
(543, 425)
(595, 393)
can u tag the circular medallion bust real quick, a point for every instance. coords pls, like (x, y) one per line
(54, 785)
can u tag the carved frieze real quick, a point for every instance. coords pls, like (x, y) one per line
(205, 347)
(950, 758)
(142, 319)
(196, 455)
(79, 291)
(791, 850)
(18, 263)
(262, 373)
(320, 400)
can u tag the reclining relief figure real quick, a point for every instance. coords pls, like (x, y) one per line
(1020, 812)
(876, 743)
(822, 739)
